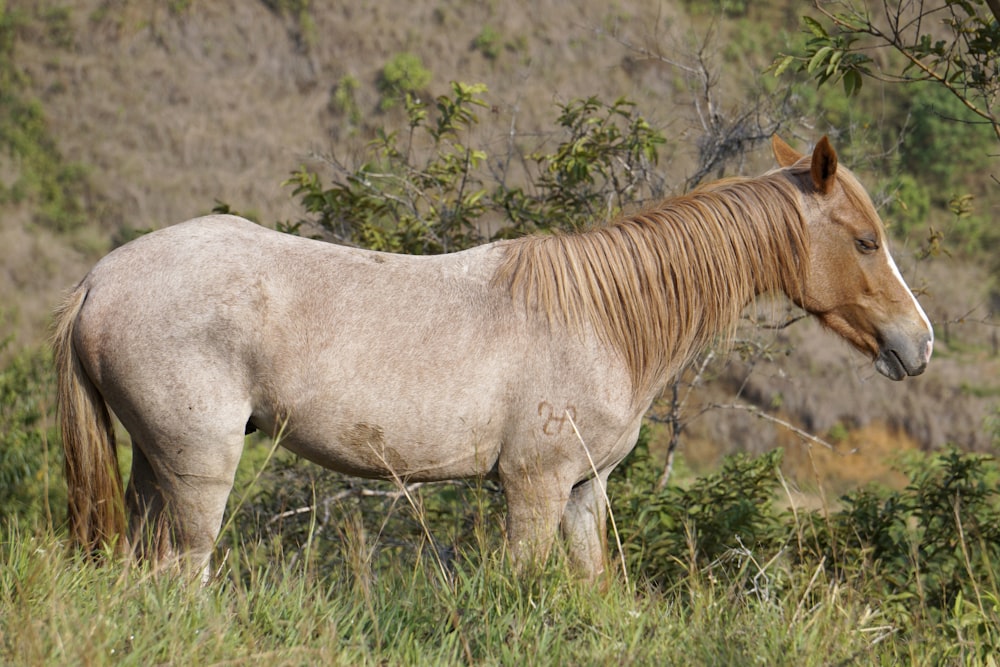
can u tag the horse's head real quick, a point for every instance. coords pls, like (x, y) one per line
(852, 284)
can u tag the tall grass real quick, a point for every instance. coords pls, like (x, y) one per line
(57, 610)
(391, 582)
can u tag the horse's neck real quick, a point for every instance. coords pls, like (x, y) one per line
(758, 229)
(724, 246)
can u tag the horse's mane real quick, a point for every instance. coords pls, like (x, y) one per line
(659, 285)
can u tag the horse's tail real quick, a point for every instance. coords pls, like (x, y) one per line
(93, 480)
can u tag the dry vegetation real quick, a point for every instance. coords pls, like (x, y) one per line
(172, 106)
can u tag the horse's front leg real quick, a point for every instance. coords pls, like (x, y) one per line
(535, 506)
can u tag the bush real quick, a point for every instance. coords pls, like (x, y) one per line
(403, 76)
(344, 99)
(488, 42)
(930, 553)
(941, 149)
(59, 191)
(685, 531)
(909, 207)
(428, 191)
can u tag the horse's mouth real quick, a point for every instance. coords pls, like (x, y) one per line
(891, 365)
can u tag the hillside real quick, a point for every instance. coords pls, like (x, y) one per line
(168, 108)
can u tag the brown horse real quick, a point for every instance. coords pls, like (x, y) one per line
(531, 361)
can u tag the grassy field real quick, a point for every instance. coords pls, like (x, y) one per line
(58, 610)
(716, 574)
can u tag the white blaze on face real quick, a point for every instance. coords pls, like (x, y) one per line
(916, 304)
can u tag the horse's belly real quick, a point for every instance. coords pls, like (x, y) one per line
(369, 449)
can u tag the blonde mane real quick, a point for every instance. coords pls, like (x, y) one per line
(659, 285)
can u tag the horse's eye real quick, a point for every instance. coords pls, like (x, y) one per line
(867, 246)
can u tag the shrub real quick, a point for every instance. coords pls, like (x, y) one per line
(684, 531)
(488, 42)
(429, 191)
(344, 99)
(925, 541)
(944, 145)
(403, 76)
(909, 207)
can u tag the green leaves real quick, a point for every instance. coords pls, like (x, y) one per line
(927, 552)
(600, 165)
(428, 190)
(828, 57)
(682, 530)
(815, 27)
(955, 43)
(403, 76)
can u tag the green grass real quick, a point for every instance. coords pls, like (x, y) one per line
(58, 610)
(372, 594)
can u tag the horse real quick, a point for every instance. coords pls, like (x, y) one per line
(530, 361)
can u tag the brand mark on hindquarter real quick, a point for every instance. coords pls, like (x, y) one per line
(553, 420)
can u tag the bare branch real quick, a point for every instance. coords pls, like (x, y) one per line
(357, 491)
(760, 414)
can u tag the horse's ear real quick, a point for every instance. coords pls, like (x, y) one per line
(783, 153)
(824, 166)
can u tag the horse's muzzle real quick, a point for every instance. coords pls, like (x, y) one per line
(900, 356)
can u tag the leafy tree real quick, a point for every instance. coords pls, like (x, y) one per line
(399, 201)
(934, 132)
(952, 43)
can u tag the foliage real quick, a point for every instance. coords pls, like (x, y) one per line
(936, 130)
(601, 166)
(429, 191)
(368, 523)
(964, 60)
(910, 205)
(688, 530)
(404, 76)
(923, 544)
(386, 578)
(930, 552)
(30, 458)
(344, 99)
(488, 42)
(396, 204)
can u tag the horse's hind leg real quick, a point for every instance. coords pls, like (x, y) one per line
(177, 496)
(584, 526)
(148, 531)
